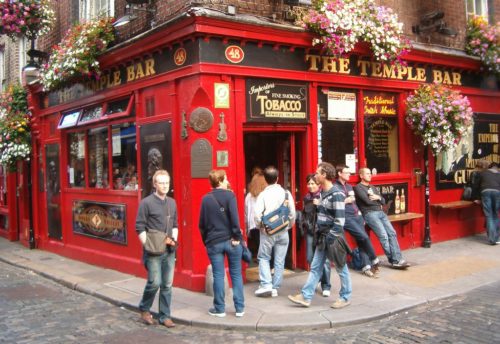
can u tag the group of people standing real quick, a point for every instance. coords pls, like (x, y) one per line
(331, 206)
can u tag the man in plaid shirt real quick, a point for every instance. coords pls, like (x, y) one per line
(330, 223)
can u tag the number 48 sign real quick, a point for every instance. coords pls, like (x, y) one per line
(234, 54)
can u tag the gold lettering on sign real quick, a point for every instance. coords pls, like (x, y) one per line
(141, 70)
(328, 64)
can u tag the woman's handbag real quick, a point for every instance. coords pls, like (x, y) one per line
(277, 220)
(155, 242)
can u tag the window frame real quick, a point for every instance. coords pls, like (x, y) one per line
(22, 57)
(359, 140)
(485, 11)
(91, 9)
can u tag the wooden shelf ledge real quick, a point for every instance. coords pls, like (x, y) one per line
(405, 217)
(453, 205)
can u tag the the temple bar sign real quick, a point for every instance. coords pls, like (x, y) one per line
(276, 101)
(359, 67)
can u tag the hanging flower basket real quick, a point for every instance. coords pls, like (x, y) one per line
(483, 41)
(343, 23)
(32, 18)
(75, 58)
(15, 137)
(439, 115)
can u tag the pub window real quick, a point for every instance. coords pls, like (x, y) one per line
(480, 8)
(90, 114)
(124, 150)
(76, 159)
(337, 127)
(381, 131)
(98, 157)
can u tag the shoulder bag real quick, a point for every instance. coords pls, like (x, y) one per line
(277, 220)
(155, 239)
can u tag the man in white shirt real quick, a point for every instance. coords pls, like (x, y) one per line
(269, 200)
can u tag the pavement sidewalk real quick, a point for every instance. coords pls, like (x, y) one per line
(444, 270)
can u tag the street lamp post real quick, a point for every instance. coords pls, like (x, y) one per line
(427, 229)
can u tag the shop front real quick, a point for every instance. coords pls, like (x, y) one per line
(191, 97)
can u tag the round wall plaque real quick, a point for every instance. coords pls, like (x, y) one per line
(201, 119)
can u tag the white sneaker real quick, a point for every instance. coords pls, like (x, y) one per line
(274, 293)
(240, 314)
(326, 293)
(264, 292)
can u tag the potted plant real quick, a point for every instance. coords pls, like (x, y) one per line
(343, 23)
(483, 40)
(75, 58)
(32, 18)
(15, 137)
(439, 115)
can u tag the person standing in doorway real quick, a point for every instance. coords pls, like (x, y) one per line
(158, 211)
(255, 187)
(220, 230)
(355, 225)
(370, 203)
(269, 200)
(331, 218)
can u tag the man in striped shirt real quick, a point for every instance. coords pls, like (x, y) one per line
(330, 223)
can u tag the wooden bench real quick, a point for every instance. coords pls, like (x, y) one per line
(451, 205)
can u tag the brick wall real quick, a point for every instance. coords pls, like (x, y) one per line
(409, 12)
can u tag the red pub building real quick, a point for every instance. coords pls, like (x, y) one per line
(209, 90)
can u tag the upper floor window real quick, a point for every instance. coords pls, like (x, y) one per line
(479, 8)
(89, 9)
(22, 49)
(2, 71)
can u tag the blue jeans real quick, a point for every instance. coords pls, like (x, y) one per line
(380, 224)
(327, 269)
(315, 274)
(355, 226)
(160, 275)
(280, 244)
(491, 205)
(216, 254)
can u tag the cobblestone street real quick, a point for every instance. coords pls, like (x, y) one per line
(37, 310)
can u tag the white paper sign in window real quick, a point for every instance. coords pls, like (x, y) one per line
(341, 106)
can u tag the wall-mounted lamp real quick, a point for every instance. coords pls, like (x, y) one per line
(433, 22)
(37, 57)
(130, 12)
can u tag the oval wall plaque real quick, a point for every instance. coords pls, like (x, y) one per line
(201, 119)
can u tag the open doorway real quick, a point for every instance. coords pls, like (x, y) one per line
(279, 149)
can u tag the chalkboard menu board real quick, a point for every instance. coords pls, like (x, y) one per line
(396, 197)
(381, 131)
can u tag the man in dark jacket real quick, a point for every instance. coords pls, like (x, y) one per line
(489, 187)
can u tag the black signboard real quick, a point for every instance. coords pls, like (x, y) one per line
(276, 101)
(156, 153)
(396, 197)
(454, 166)
(104, 221)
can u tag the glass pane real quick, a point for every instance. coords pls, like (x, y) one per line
(117, 106)
(76, 160)
(98, 158)
(124, 157)
(53, 188)
(91, 114)
(337, 130)
(381, 131)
